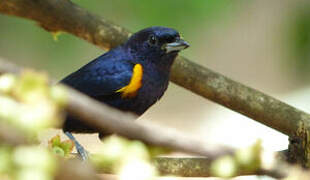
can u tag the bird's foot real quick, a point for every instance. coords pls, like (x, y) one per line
(79, 148)
(82, 152)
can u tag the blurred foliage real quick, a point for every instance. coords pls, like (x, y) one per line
(244, 160)
(26, 163)
(29, 103)
(22, 41)
(126, 157)
(300, 39)
(172, 13)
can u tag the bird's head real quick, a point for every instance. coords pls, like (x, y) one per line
(159, 45)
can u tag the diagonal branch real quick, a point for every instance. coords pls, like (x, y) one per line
(112, 120)
(65, 16)
(238, 97)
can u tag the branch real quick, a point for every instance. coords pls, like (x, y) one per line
(184, 167)
(200, 167)
(112, 120)
(65, 16)
(117, 121)
(108, 119)
(74, 169)
(11, 136)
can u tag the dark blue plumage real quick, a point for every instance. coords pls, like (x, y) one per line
(153, 48)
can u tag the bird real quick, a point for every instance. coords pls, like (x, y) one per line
(130, 77)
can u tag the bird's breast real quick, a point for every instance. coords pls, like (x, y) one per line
(154, 84)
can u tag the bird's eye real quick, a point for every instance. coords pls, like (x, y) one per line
(152, 40)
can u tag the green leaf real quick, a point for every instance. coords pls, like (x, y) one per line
(62, 148)
(58, 151)
(67, 146)
(55, 141)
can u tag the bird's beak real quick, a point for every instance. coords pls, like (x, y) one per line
(178, 45)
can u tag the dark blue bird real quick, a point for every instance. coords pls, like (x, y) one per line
(130, 77)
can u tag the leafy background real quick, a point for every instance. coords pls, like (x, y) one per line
(21, 40)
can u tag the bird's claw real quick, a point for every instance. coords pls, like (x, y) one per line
(82, 152)
(79, 148)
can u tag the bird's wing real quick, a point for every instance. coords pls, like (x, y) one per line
(105, 77)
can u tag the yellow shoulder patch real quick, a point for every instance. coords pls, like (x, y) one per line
(135, 83)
